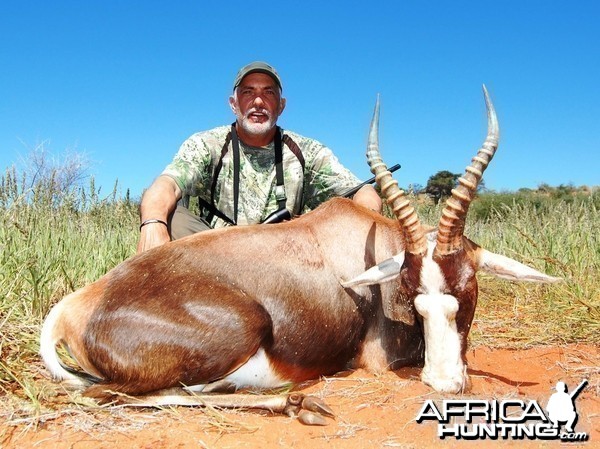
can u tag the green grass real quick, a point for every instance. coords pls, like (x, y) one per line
(51, 243)
(54, 241)
(560, 238)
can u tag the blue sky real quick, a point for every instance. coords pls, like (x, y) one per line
(127, 82)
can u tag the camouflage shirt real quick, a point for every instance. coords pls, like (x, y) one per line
(195, 163)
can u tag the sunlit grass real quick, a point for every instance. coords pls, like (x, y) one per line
(51, 243)
(559, 238)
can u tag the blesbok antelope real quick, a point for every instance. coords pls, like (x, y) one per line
(267, 305)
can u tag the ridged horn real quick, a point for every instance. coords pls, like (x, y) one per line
(414, 237)
(452, 222)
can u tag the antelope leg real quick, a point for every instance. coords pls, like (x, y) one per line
(308, 409)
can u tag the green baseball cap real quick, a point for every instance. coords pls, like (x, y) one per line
(257, 67)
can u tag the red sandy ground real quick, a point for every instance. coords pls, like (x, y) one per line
(372, 411)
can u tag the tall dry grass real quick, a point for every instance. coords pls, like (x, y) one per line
(54, 238)
(559, 236)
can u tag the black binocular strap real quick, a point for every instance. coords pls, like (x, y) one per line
(280, 189)
(236, 172)
(212, 209)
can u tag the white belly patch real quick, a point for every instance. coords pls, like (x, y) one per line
(256, 373)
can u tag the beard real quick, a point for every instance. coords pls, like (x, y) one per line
(256, 128)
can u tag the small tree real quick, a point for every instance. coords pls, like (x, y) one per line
(441, 184)
(415, 188)
(39, 177)
(65, 172)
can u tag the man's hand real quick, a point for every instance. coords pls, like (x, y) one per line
(368, 197)
(151, 235)
(158, 203)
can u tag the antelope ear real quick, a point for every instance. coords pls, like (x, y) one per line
(507, 268)
(394, 307)
(383, 272)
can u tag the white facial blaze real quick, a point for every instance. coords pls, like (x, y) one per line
(444, 369)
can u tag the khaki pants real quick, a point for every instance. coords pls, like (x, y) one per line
(183, 223)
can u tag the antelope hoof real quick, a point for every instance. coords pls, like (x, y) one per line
(316, 405)
(311, 418)
(308, 409)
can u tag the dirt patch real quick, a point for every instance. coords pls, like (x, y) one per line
(372, 410)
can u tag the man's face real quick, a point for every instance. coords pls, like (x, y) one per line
(257, 103)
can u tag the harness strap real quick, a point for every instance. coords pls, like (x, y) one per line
(236, 172)
(279, 188)
(294, 148)
(212, 209)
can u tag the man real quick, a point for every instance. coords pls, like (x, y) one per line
(234, 170)
(561, 407)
